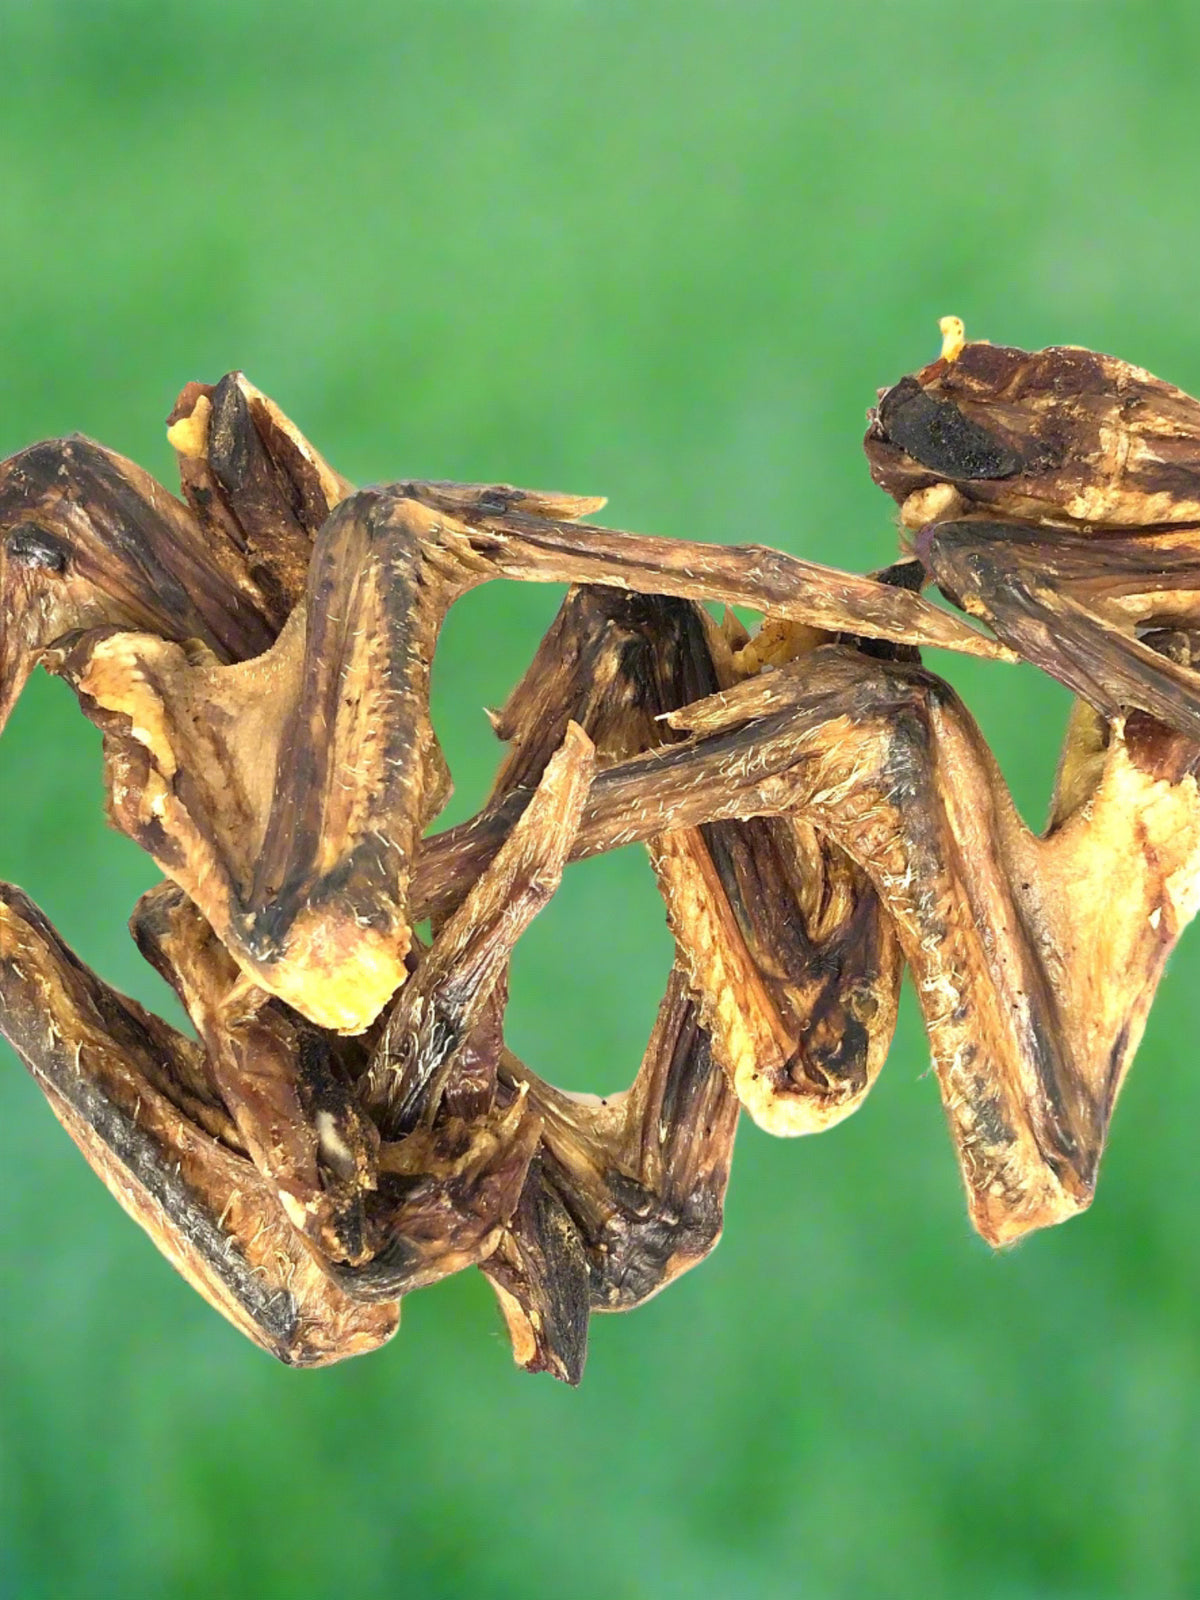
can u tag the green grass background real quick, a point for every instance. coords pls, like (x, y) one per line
(667, 252)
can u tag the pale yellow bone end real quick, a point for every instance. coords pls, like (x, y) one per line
(189, 435)
(954, 336)
(937, 502)
(334, 972)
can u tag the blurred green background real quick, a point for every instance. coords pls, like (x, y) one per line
(667, 252)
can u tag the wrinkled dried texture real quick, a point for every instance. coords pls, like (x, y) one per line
(109, 1071)
(440, 1006)
(384, 1207)
(781, 936)
(281, 1078)
(1061, 435)
(1034, 984)
(294, 828)
(90, 539)
(625, 1193)
(1035, 989)
(350, 1125)
(255, 483)
(1056, 495)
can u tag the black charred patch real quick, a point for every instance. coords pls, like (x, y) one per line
(565, 1300)
(991, 1123)
(938, 435)
(233, 445)
(909, 753)
(157, 1173)
(663, 652)
(549, 1273)
(38, 548)
(397, 1266)
(836, 1047)
(646, 1235)
(908, 575)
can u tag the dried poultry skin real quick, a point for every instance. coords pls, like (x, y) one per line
(819, 810)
